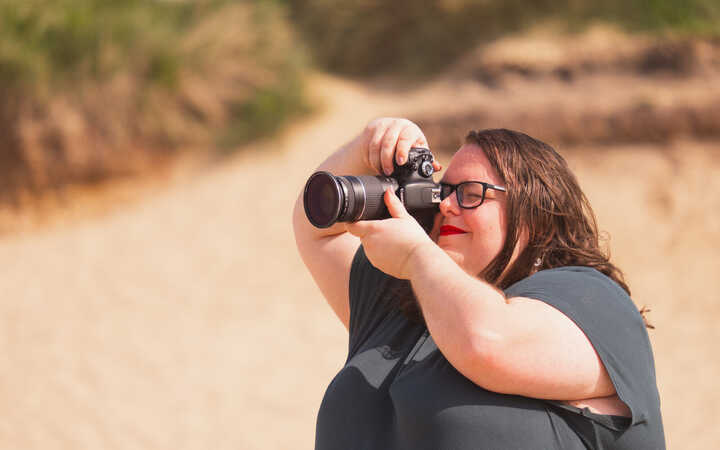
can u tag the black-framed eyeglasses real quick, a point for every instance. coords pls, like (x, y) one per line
(470, 194)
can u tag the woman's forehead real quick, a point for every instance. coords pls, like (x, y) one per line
(470, 163)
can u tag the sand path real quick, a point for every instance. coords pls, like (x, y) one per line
(186, 320)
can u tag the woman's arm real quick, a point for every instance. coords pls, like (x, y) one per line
(515, 346)
(328, 252)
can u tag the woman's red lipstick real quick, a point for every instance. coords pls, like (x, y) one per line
(447, 230)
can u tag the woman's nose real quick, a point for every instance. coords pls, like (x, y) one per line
(449, 205)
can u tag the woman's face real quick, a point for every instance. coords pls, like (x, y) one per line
(472, 237)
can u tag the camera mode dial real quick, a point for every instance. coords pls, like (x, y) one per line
(426, 169)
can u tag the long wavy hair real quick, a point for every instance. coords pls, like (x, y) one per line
(544, 203)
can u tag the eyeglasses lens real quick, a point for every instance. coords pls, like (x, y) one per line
(470, 194)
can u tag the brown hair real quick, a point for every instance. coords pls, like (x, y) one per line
(544, 202)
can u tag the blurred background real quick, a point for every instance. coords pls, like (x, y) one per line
(151, 151)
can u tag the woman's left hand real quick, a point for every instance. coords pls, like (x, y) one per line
(390, 243)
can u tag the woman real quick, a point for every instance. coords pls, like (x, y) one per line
(512, 329)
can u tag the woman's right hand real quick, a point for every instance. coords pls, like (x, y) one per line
(386, 138)
(328, 252)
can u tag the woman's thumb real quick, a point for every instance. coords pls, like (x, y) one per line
(394, 205)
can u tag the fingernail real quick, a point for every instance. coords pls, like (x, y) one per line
(401, 160)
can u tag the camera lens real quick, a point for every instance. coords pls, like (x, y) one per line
(328, 199)
(323, 199)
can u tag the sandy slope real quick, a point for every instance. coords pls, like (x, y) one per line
(185, 320)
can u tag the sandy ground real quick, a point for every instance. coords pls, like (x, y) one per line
(185, 319)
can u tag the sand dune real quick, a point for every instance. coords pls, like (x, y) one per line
(185, 319)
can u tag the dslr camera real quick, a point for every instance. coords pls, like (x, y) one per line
(329, 199)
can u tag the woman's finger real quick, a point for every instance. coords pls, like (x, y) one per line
(408, 138)
(387, 148)
(422, 140)
(373, 150)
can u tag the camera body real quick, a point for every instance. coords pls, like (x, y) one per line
(417, 191)
(329, 199)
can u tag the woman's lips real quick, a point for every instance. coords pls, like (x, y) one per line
(447, 230)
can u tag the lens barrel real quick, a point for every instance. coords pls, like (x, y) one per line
(329, 199)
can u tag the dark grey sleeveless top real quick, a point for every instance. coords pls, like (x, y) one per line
(397, 391)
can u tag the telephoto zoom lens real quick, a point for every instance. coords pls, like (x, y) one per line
(329, 199)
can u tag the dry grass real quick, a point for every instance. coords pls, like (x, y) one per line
(232, 83)
(592, 93)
